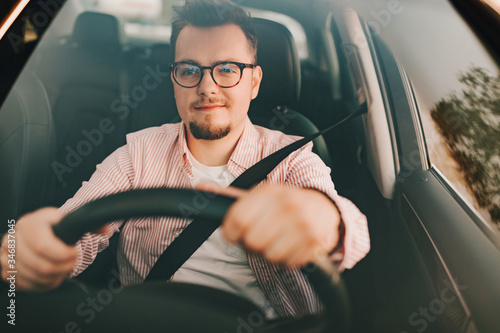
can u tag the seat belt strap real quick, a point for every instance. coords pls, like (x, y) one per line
(198, 231)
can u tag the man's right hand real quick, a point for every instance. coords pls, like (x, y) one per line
(42, 260)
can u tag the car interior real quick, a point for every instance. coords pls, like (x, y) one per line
(74, 81)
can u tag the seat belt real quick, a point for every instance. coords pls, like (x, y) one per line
(198, 231)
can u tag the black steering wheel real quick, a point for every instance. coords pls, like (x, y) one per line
(160, 306)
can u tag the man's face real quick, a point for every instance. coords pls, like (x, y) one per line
(209, 111)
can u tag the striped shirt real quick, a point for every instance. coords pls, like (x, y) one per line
(157, 157)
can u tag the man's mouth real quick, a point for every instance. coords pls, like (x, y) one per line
(208, 107)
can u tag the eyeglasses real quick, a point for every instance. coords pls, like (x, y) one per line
(225, 74)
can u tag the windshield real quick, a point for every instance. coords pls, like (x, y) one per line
(455, 80)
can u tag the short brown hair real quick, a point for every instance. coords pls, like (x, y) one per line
(212, 13)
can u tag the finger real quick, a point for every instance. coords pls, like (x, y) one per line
(51, 215)
(266, 229)
(54, 250)
(234, 224)
(298, 259)
(41, 240)
(35, 263)
(311, 253)
(234, 191)
(35, 272)
(285, 247)
(3, 247)
(105, 229)
(240, 216)
(29, 278)
(229, 191)
(37, 285)
(4, 254)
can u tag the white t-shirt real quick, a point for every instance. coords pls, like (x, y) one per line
(217, 263)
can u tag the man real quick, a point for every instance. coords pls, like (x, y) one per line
(289, 221)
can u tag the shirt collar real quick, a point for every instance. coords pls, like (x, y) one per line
(183, 149)
(247, 152)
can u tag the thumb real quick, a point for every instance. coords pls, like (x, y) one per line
(103, 229)
(230, 191)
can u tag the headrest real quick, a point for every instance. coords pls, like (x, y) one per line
(98, 30)
(278, 56)
(160, 54)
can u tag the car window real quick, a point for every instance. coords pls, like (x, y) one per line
(150, 19)
(457, 87)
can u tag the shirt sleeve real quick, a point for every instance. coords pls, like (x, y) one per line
(114, 174)
(307, 170)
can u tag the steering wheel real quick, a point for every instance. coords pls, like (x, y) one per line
(160, 306)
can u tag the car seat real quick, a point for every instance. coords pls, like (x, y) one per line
(158, 107)
(85, 78)
(27, 141)
(280, 87)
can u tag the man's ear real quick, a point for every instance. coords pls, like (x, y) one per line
(256, 79)
(173, 81)
(172, 77)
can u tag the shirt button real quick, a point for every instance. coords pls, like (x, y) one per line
(177, 233)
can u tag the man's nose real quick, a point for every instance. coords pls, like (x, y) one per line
(207, 85)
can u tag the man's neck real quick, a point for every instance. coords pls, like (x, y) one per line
(213, 152)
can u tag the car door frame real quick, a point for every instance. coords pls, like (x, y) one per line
(453, 242)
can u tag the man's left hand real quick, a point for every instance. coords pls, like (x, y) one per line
(292, 226)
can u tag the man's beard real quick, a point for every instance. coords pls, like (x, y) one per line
(205, 132)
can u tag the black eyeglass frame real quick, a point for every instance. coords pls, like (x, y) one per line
(241, 65)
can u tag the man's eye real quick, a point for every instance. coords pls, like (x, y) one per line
(189, 71)
(227, 70)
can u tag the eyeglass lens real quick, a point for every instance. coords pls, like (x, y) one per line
(225, 75)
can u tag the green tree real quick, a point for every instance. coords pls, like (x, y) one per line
(470, 123)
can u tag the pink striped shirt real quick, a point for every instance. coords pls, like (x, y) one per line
(156, 157)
